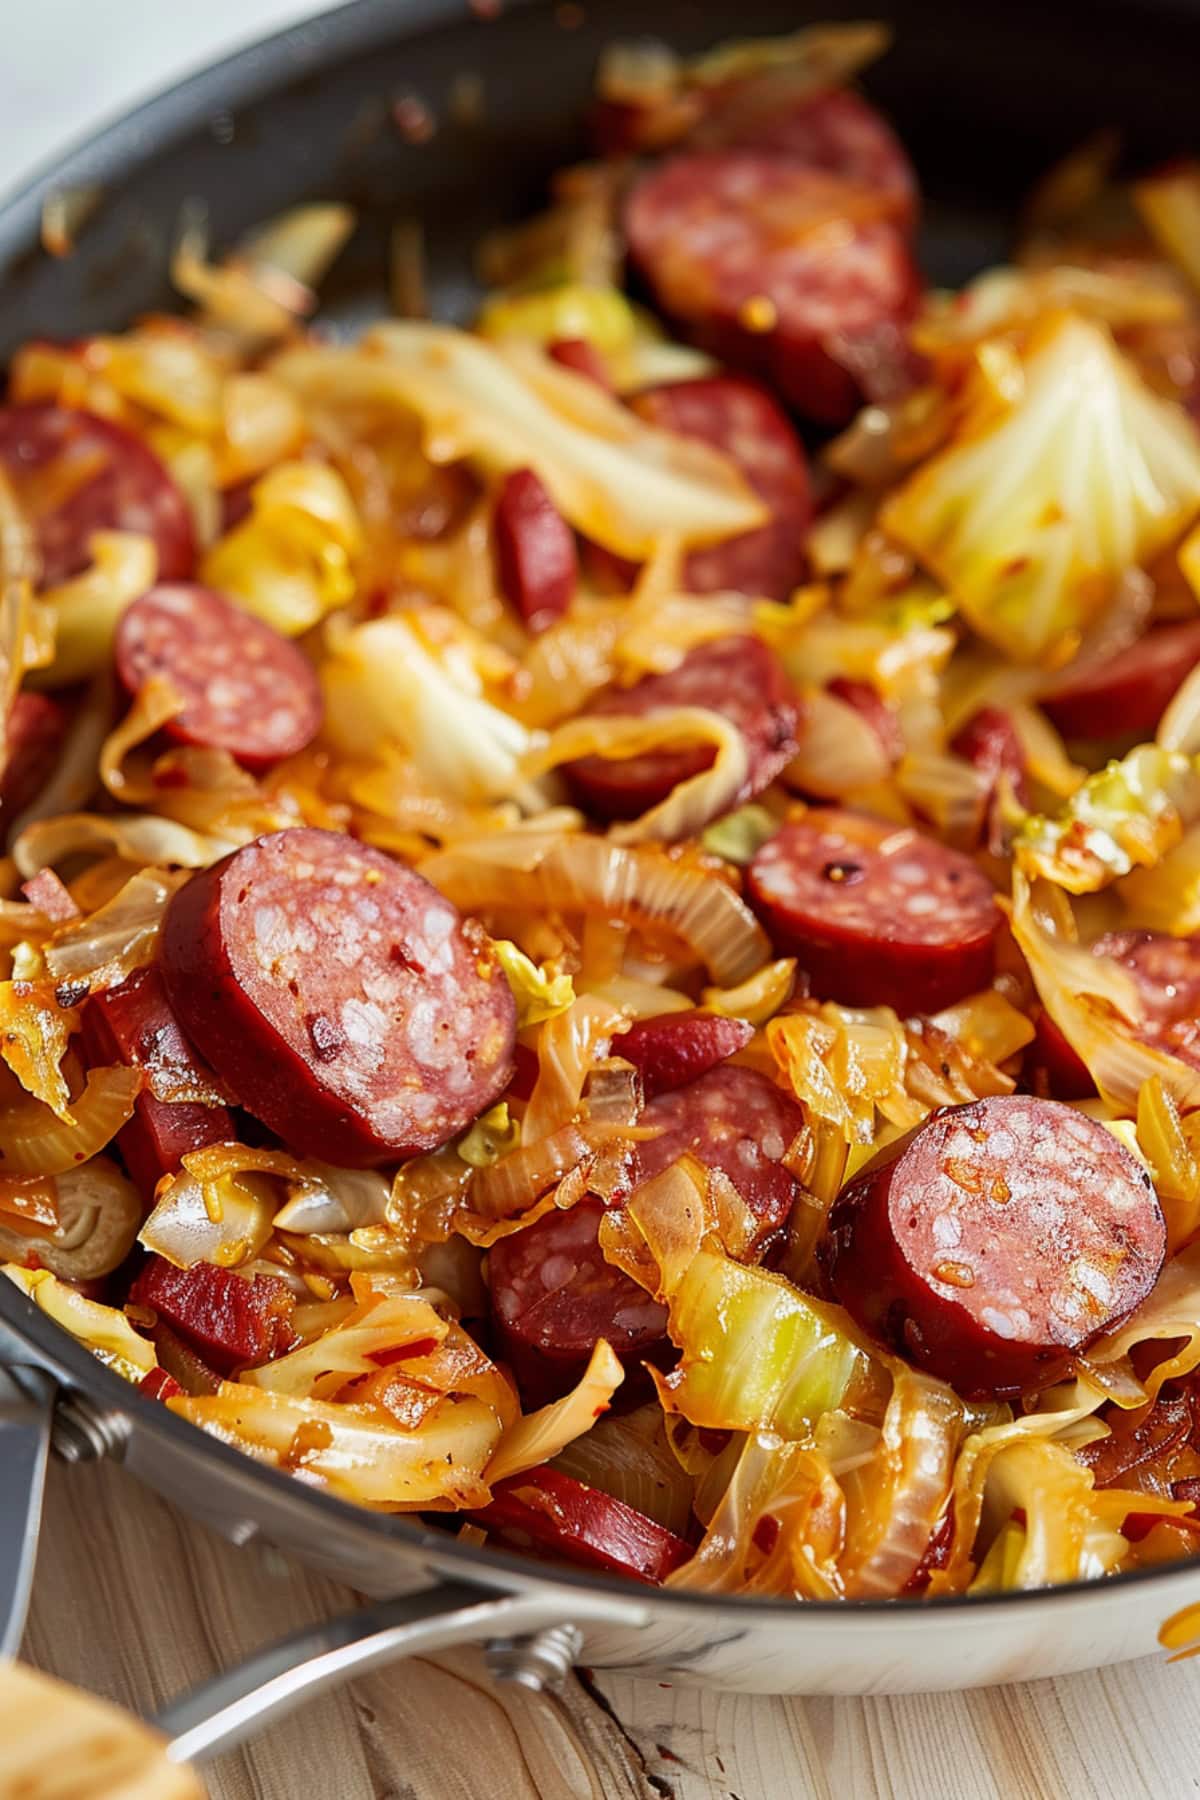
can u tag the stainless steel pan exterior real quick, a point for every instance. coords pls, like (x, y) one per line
(986, 100)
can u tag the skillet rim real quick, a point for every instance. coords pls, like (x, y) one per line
(113, 150)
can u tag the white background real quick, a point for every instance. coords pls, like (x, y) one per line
(69, 65)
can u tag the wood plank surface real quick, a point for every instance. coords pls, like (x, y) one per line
(135, 1602)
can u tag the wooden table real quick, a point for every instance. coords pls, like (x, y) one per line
(135, 1602)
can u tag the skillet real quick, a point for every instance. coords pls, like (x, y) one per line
(985, 99)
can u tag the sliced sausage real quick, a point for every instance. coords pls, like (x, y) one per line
(870, 705)
(245, 688)
(837, 131)
(134, 1024)
(230, 1318)
(36, 729)
(878, 914)
(676, 1048)
(554, 1515)
(778, 269)
(742, 419)
(996, 1242)
(536, 557)
(1129, 692)
(554, 1296)
(75, 474)
(739, 677)
(342, 998)
(1166, 972)
(735, 1120)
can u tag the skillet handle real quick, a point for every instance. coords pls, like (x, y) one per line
(26, 1418)
(526, 1638)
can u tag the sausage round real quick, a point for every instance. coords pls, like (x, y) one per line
(878, 914)
(75, 474)
(838, 132)
(554, 1296)
(780, 270)
(245, 688)
(996, 1242)
(134, 1024)
(990, 743)
(1052, 1067)
(675, 1048)
(340, 996)
(739, 677)
(1129, 692)
(548, 1511)
(536, 558)
(35, 730)
(735, 1120)
(1166, 972)
(742, 419)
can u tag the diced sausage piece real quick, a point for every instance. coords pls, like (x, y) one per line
(990, 743)
(837, 131)
(1128, 693)
(232, 1319)
(870, 705)
(676, 1048)
(340, 996)
(245, 688)
(75, 474)
(36, 728)
(742, 419)
(783, 271)
(554, 1296)
(1166, 973)
(535, 550)
(554, 1515)
(583, 358)
(735, 1120)
(996, 1242)
(739, 677)
(134, 1024)
(878, 914)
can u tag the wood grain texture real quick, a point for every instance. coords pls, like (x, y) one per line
(135, 1602)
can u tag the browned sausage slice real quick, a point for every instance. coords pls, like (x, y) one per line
(735, 1120)
(1166, 971)
(742, 419)
(245, 688)
(878, 914)
(340, 996)
(781, 270)
(75, 474)
(737, 676)
(1128, 693)
(553, 1293)
(996, 1242)
(535, 550)
(676, 1048)
(554, 1296)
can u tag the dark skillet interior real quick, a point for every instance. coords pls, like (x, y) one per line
(984, 96)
